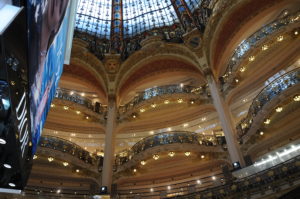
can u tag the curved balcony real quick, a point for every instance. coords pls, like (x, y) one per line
(65, 94)
(254, 40)
(194, 94)
(271, 181)
(167, 138)
(67, 147)
(273, 90)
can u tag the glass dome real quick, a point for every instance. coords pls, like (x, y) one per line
(137, 16)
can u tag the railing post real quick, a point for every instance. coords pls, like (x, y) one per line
(107, 170)
(226, 120)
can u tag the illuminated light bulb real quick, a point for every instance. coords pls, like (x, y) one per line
(261, 133)
(296, 32)
(134, 115)
(265, 47)
(198, 182)
(143, 162)
(94, 95)
(90, 136)
(134, 170)
(66, 107)
(2, 141)
(187, 153)
(77, 170)
(11, 184)
(65, 164)
(202, 156)
(267, 121)
(82, 94)
(213, 178)
(52, 105)
(151, 132)
(151, 190)
(169, 187)
(50, 159)
(35, 157)
(142, 110)
(279, 109)
(58, 191)
(181, 85)
(72, 92)
(169, 129)
(252, 58)
(243, 69)
(280, 38)
(171, 154)
(166, 101)
(180, 101)
(192, 101)
(237, 80)
(85, 148)
(8, 166)
(185, 125)
(73, 134)
(245, 100)
(78, 112)
(87, 117)
(297, 98)
(153, 105)
(155, 156)
(203, 119)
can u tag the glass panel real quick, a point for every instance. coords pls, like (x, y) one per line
(141, 15)
(94, 17)
(193, 4)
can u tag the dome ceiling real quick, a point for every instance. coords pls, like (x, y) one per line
(103, 18)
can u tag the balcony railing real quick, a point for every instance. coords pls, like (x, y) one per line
(196, 92)
(173, 137)
(266, 182)
(274, 89)
(255, 39)
(67, 147)
(65, 94)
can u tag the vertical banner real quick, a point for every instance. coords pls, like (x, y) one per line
(47, 28)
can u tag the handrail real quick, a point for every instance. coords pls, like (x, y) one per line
(275, 88)
(65, 94)
(164, 138)
(271, 175)
(244, 47)
(67, 147)
(199, 92)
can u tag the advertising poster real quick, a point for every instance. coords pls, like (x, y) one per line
(47, 28)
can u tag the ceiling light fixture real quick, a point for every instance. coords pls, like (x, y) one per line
(143, 162)
(78, 112)
(8, 166)
(296, 32)
(171, 154)
(12, 184)
(166, 101)
(134, 170)
(251, 58)
(82, 94)
(35, 157)
(65, 164)
(192, 101)
(243, 69)
(66, 107)
(187, 153)
(267, 121)
(50, 159)
(185, 125)
(297, 98)
(155, 156)
(153, 105)
(279, 109)
(142, 110)
(180, 100)
(151, 190)
(265, 47)
(202, 156)
(198, 182)
(280, 38)
(87, 117)
(52, 105)
(169, 187)
(77, 170)
(72, 92)
(261, 133)
(151, 132)
(213, 178)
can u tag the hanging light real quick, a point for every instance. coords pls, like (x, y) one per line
(171, 154)
(143, 162)
(50, 159)
(187, 153)
(155, 156)
(65, 164)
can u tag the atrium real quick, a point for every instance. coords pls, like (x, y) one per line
(169, 99)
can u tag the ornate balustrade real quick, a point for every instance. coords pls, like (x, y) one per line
(266, 182)
(254, 40)
(274, 89)
(67, 147)
(173, 137)
(196, 92)
(65, 94)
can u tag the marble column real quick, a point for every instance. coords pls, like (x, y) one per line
(107, 169)
(226, 120)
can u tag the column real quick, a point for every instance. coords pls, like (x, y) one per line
(227, 123)
(107, 170)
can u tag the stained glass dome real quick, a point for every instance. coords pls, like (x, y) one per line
(117, 21)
